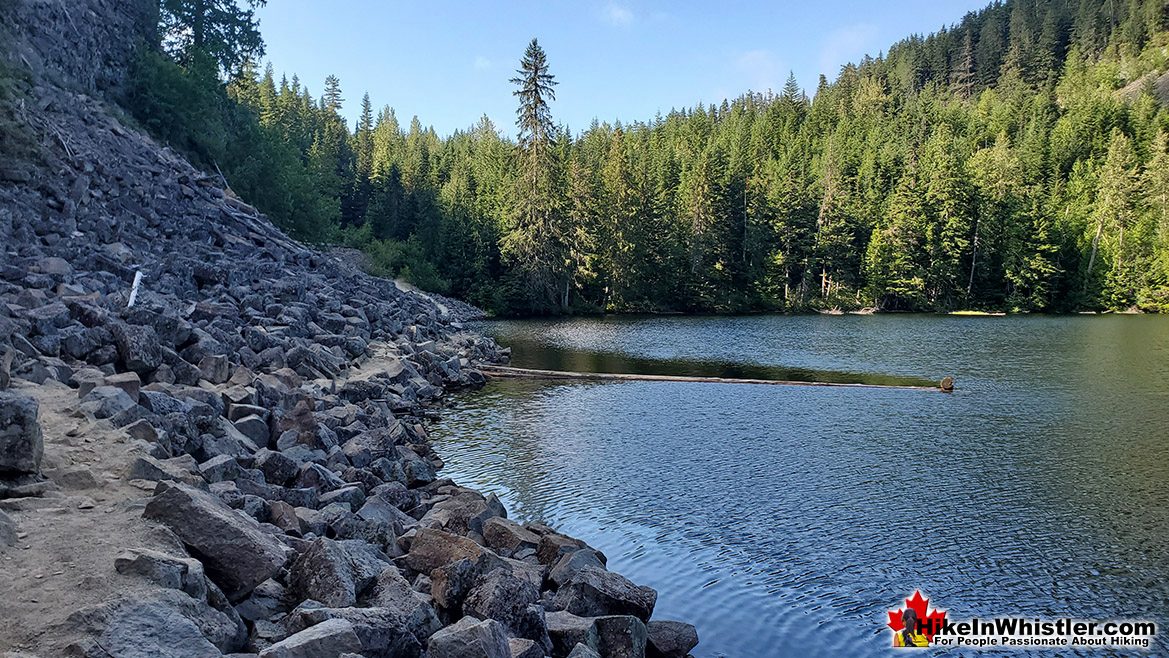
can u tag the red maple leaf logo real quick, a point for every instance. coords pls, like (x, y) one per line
(931, 620)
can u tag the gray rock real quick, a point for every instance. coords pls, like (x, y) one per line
(524, 648)
(583, 651)
(162, 623)
(142, 430)
(571, 563)
(180, 469)
(163, 403)
(323, 573)
(379, 508)
(21, 442)
(670, 639)
(501, 596)
(255, 428)
(351, 496)
(267, 600)
(128, 382)
(77, 478)
(215, 368)
(181, 573)
(383, 633)
(620, 636)
(328, 639)
(318, 477)
(594, 593)
(506, 536)
(278, 468)
(107, 402)
(566, 630)
(138, 347)
(390, 590)
(218, 469)
(470, 638)
(553, 545)
(463, 512)
(236, 553)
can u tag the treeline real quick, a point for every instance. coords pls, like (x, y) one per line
(1017, 160)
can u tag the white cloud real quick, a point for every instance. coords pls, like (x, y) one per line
(760, 69)
(481, 63)
(618, 15)
(844, 45)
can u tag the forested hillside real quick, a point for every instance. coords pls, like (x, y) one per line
(1017, 160)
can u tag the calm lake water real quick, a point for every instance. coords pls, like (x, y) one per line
(788, 520)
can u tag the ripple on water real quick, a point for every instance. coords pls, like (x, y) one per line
(787, 521)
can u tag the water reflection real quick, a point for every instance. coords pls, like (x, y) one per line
(531, 349)
(786, 521)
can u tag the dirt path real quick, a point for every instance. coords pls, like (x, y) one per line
(67, 541)
(406, 286)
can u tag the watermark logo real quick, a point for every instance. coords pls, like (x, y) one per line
(918, 625)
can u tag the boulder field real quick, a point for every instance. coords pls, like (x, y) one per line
(213, 438)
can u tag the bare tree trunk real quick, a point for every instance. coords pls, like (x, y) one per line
(973, 260)
(1095, 247)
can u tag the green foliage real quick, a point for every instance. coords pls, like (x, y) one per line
(219, 29)
(1016, 161)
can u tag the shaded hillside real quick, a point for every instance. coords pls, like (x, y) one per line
(1014, 160)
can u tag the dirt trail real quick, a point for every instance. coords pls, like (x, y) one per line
(67, 540)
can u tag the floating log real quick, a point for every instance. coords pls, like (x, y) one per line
(945, 386)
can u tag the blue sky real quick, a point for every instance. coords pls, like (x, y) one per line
(449, 62)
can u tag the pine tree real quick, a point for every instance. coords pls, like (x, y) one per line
(331, 100)
(533, 244)
(947, 198)
(962, 77)
(220, 30)
(1114, 213)
(893, 259)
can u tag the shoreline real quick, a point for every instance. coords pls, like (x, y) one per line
(236, 463)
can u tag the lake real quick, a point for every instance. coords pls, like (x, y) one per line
(788, 520)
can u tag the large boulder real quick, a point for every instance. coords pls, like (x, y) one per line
(322, 573)
(670, 639)
(391, 590)
(506, 536)
(463, 512)
(470, 638)
(336, 572)
(432, 548)
(236, 553)
(620, 636)
(107, 402)
(171, 572)
(572, 563)
(138, 347)
(566, 630)
(163, 623)
(21, 443)
(511, 601)
(383, 633)
(594, 593)
(328, 639)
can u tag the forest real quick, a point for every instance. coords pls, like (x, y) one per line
(1017, 160)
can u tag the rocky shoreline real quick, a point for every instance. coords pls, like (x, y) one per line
(236, 463)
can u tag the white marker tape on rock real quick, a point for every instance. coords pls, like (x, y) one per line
(134, 289)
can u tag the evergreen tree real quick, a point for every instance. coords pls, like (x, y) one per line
(221, 30)
(534, 244)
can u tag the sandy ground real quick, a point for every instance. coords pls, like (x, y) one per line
(67, 541)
